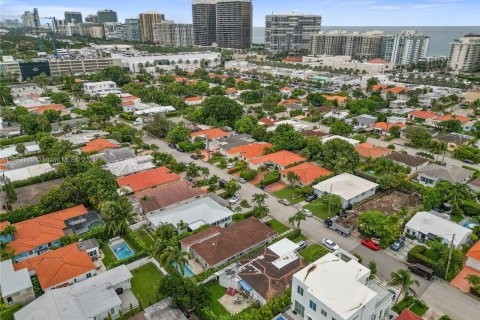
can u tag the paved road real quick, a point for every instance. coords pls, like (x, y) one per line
(450, 300)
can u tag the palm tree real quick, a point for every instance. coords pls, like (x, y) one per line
(117, 216)
(9, 230)
(297, 218)
(204, 171)
(474, 282)
(193, 170)
(173, 255)
(259, 199)
(403, 278)
(292, 178)
(182, 225)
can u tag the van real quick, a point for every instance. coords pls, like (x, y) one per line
(301, 245)
(422, 271)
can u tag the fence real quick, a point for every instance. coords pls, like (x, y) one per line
(141, 262)
(137, 225)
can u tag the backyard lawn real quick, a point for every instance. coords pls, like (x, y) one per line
(319, 210)
(145, 283)
(109, 255)
(215, 293)
(147, 238)
(313, 252)
(288, 193)
(277, 226)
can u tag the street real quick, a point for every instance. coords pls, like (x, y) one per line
(440, 296)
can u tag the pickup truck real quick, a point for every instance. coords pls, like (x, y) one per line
(341, 227)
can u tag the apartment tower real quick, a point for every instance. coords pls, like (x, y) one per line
(148, 20)
(106, 15)
(405, 48)
(204, 19)
(465, 54)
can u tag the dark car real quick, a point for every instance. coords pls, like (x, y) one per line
(311, 197)
(468, 161)
(222, 183)
(194, 157)
(180, 149)
(172, 145)
(421, 270)
(397, 245)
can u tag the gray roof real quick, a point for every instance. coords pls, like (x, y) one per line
(452, 138)
(22, 163)
(88, 244)
(406, 159)
(81, 301)
(365, 119)
(235, 141)
(449, 173)
(31, 194)
(12, 281)
(22, 85)
(114, 155)
(164, 310)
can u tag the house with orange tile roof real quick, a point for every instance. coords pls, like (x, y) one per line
(307, 173)
(384, 127)
(41, 109)
(434, 122)
(193, 101)
(292, 60)
(421, 115)
(406, 314)
(98, 145)
(378, 87)
(341, 99)
(249, 151)
(147, 179)
(378, 61)
(369, 150)
(38, 235)
(472, 266)
(286, 92)
(210, 134)
(473, 257)
(291, 103)
(59, 268)
(267, 121)
(280, 159)
(395, 90)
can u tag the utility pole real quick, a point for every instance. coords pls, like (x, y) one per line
(450, 256)
(329, 200)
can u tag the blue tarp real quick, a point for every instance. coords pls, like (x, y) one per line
(245, 285)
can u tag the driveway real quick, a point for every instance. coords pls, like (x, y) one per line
(403, 252)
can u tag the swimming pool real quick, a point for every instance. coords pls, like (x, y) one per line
(121, 250)
(470, 224)
(187, 272)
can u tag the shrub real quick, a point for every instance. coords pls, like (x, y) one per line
(137, 256)
(172, 114)
(7, 313)
(249, 174)
(270, 178)
(52, 175)
(417, 255)
(470, 208)
(294, 234)
(15, 140)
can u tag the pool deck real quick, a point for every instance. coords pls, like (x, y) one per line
(117, 242)
(195, 266)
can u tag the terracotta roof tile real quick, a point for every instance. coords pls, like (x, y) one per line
(387, 126)
(378, 61)
(213, 133)
(307, 172)
(408, 315)
(423, 114)
(447, 117)
(474, 251)
(368, 150)
(147, 179)
(98, 145)
(282, 158)
(338, 98)
(267, 121)
(191, 99)
(42, 109)
(250, 151)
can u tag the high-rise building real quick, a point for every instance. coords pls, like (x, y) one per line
(115, 30)
(27, 19)
(134, 32)
(107, 15)
(405, 48)
(234, 23)
(342, 43)
(465, 54)
(93, 18)
(169, 33)
(10, 23)
(147, 22)
(73, 17)
(290, 31)
(204, 19)
(36, 18)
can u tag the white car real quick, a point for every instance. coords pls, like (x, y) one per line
(330, 244)
(234, 199)
(231, 165)
(306, 212)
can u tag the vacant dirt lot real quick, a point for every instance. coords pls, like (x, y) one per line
(391, 202)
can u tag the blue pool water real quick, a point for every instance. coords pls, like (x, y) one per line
(470, 225)
(187, 272)
(122, 250)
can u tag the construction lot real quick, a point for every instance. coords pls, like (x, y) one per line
(391, 202)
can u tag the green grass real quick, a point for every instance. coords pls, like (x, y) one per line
(299, 238)
(288, 193)
(457, 218)
(416, 306)
(109, 255)
(215, 292)
(145, 283)
(319, 210)
(313, 252)
(145, 236)
(277, 226)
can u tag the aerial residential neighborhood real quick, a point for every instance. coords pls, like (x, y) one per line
(191, 165)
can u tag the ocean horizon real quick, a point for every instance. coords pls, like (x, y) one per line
(441, 37)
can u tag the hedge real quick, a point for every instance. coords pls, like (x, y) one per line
(270, 178)
(470, 208)
(22, 214)
(172, 114)
(7, 314)
(416, 255)
(52, 175)
(134, 240)
(15, 140)
(97, 232)
(294, 234)
(137, 256)
(249, 174)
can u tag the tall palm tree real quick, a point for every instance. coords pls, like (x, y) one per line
(297, 218)
(259, 199)
(173, 255)
(403, 279)
(182, 225)
(292, 178)
(117, 216)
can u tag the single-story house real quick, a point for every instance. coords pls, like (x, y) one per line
(193, 101)
(83, 137)
(249, 151)
(280, 159)
(384, 127)
(368, 150)
(428, 226)
(265, 274)
(421, 116)
(147, 179)
(15, 286)
(473, 257)
(95, 298)
(114, 155)
(215, 246)
(130, 166)
(164, 310)
(231, 142)
(11, 151)
(31, 194)
(434, 122)
(432, 173)
(166, 195)
(195, 214)
(406, 160)
(59, 268)
(452, 140)
(363, 121)
(472, 266)
(353, 142)
(27, 172)
(339, 115)
(350, 188)
(210, 134)
(307, 173)
(98, 145)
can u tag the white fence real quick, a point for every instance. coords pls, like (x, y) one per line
(139, 263)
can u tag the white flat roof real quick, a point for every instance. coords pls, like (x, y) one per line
(12, 281)
(195, 214)
(336, 284)
(351, 141)
(28, 172)
(130, 166)
(427, 222)
(283, 247)
(345, 185)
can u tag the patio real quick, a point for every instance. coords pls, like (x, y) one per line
(195, 266)
(234, 304)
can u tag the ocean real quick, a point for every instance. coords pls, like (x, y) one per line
(439, 43)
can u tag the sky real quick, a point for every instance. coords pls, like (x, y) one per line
(333, 12)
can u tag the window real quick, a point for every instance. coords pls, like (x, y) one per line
(313, 305)
(324, 313)
(299, 308)
(112, 311)
(88, 275)
(300, 290)
(9, 300)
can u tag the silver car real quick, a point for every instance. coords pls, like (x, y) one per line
(330, 244)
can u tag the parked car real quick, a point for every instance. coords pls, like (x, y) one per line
(234, 199)
(188, 178)
(397, 245)
(468, 161)
(180, 149)
(231, 165)
(285, 202)
(172, 145)
(421, 270)
(242, 181)
(222, 183)
(306, 212)
(194, 157)
(330, 244)
(311, 197)
(370, 244)
(301, 245)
